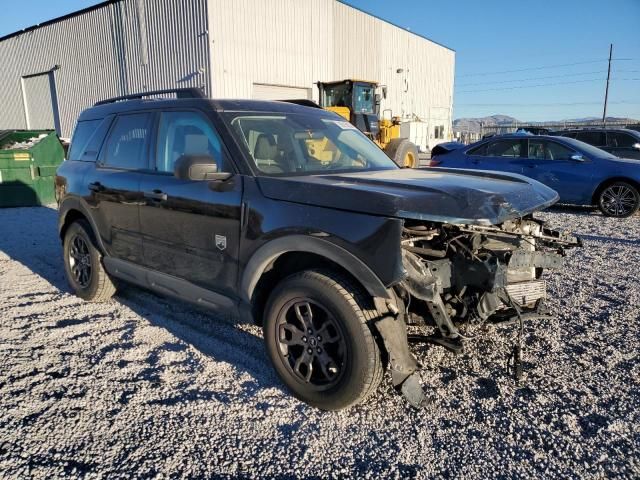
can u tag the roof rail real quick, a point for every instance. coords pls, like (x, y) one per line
(180, 93)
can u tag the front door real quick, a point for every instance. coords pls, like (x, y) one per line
(550, 163)
(623, 145)
(114, 186)
(191, 228)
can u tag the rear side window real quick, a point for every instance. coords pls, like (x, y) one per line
(537, 149)
(81, 136)
(126, 146)
(480, 151)
(592, 138)
(505, 148)
(620, 140)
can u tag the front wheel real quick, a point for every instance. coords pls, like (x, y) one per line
(620, 199)
(317, 337)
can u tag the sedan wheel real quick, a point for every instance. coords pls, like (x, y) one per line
(619, 199)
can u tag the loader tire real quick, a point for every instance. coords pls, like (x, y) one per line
(403, 152)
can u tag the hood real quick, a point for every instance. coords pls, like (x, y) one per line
(435, 194)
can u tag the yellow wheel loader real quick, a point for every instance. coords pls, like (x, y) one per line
(359, 103)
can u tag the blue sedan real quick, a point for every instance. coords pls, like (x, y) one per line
(580, 173)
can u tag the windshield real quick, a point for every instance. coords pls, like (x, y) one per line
(588, 149)
(301, 143)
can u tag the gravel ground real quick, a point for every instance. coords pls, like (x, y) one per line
(149, 387)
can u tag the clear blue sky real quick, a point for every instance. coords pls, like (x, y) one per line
(494, 36)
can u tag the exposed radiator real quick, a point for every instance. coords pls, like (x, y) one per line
(527, 293)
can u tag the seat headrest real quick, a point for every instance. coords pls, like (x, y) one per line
(266, 148)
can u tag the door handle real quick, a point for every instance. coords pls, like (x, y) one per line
(96, 187)
(158, 195)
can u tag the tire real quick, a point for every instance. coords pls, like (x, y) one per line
(353, 365)
(403, 152)
(79, 246)
(619, 199)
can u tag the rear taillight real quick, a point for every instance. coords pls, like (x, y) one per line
(432, 162)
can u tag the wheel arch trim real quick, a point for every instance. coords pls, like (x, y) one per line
(602, 185)
(270, 251)
(75, 204)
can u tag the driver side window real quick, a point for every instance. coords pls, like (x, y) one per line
(187, 133)
(555, 151)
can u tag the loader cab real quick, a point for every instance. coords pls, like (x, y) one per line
(356, 101)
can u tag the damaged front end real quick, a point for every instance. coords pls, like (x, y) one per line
(457, 275)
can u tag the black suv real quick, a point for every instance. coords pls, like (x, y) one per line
(290, 217)
(621, 142)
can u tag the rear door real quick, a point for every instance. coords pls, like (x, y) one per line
(623, 145)
(191, 228)
(502, 155)
(550, 163)
(114, 185)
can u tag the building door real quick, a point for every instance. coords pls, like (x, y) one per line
(41, 102)
(262, 91)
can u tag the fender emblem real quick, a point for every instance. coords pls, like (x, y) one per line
(221, 242)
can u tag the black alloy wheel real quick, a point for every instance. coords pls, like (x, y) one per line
(80, 261)
(317, 330)
(619, 199)
(311, 342)
(83, 264)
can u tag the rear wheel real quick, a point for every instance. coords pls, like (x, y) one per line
(83, 264)
(403, 152)
(318, 339)
(620, 199)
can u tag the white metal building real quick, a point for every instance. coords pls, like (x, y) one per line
(267, 49)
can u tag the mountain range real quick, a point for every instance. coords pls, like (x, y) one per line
(473, 124)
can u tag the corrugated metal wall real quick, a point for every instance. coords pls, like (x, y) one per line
(273, 42)
(120, 48)
(226, 46)
(296, 43)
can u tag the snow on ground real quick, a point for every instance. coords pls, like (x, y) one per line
(150, 387)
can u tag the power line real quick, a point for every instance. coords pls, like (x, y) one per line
(532, 78)
(546, 85)
(532, 86)
(541, 67)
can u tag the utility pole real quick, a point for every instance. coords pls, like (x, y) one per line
(606, 92)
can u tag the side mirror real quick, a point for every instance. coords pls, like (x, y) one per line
(198, 167)
(384, 92)
(576, 157)
(636, 146)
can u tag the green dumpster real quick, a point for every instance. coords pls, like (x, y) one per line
(28, 163)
